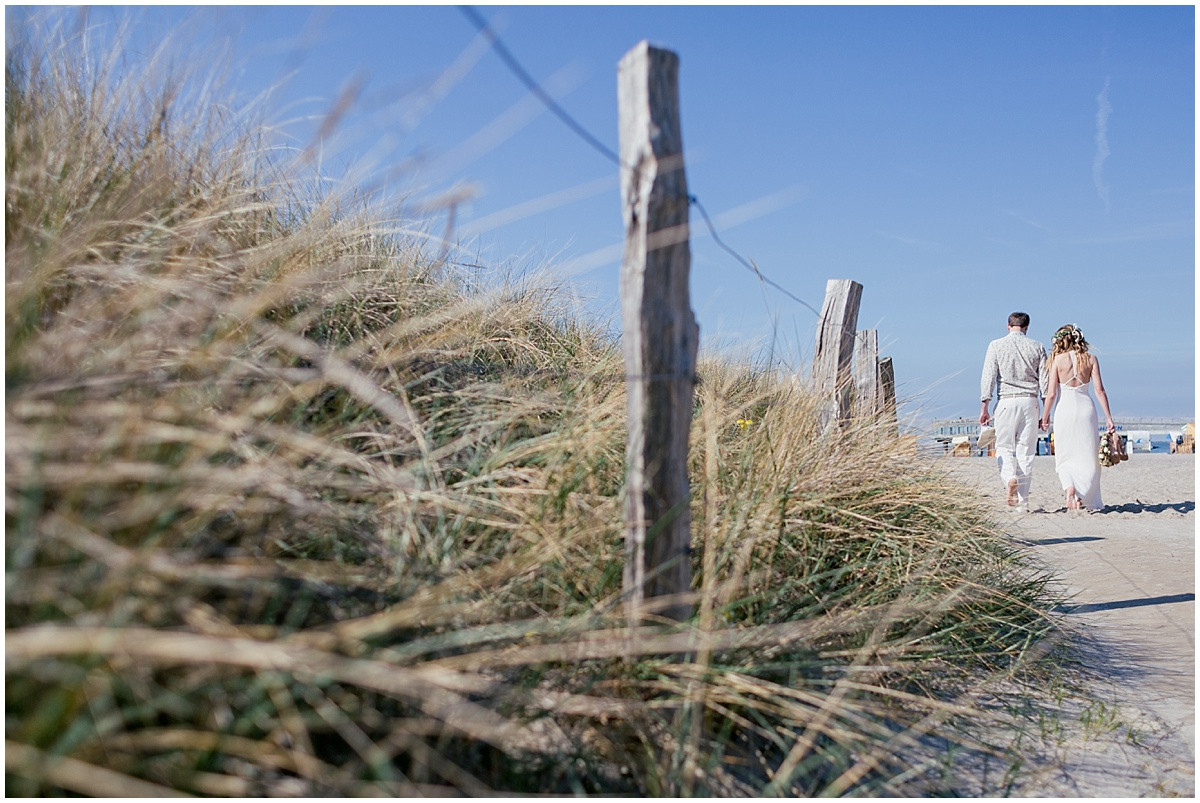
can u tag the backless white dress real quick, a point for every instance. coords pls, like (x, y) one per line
(1076, 440)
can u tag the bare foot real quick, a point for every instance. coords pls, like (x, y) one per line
(1073, 502)
(1012, 493)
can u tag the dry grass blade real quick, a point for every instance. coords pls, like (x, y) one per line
(78, 776)
(266, 753)
(653, 641)
(439, 692)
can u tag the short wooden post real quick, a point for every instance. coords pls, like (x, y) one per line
(867, 397)
(887, 392)
(659, 337)
(835, 348)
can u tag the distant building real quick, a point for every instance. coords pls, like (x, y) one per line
(946, 428)
(953, 435)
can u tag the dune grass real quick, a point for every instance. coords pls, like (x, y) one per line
(290, 511)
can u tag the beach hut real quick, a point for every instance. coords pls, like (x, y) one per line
(1188, 444)
(961, 445)
(1137, 440)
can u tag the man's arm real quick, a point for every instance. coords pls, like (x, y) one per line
(987, 383)
(1044, 372)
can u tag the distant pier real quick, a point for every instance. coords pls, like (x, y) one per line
(1146, 434)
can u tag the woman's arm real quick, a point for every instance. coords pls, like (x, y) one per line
(1101, 395)
(1051, 394)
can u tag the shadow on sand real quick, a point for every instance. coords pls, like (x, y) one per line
(1141, 507)
(1093, 607)
(1050, 541)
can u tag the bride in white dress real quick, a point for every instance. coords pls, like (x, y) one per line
(1072, 373)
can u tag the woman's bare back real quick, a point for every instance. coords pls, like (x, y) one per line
(1069, 375)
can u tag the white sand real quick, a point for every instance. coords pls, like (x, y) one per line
(1131, 572)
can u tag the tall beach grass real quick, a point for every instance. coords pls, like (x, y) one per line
(291, 511)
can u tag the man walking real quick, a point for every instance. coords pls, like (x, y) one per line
(1013, 370)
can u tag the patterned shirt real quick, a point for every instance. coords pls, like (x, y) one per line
(1015, 365)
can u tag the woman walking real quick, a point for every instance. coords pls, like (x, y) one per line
(1072, 372)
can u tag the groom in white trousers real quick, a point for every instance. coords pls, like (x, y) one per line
(1014, 372)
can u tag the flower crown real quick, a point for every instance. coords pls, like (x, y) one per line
(1067, 330)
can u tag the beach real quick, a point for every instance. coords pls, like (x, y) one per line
(1130, 574)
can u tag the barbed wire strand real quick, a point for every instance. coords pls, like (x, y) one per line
(533, 86)
(712, 230)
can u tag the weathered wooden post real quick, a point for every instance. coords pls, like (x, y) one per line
(887, 391)
(835, 348)
(659, 337)
(867, 398)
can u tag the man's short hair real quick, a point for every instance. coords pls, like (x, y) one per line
(1020, 319)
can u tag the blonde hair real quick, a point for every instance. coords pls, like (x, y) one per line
(1068, 338)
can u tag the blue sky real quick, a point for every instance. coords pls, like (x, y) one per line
(960, 162)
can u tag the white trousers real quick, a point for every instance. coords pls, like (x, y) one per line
(1016, 421)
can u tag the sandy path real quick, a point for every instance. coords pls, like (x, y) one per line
(1131, 572)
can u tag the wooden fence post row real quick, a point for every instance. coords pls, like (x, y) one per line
(659, 336)
(874, 379)
(867, 392)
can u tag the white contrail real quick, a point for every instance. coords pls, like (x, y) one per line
(1102, 151)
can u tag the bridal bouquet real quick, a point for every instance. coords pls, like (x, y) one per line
(1112, 449)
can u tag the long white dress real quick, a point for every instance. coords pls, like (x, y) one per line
(1076, 440)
